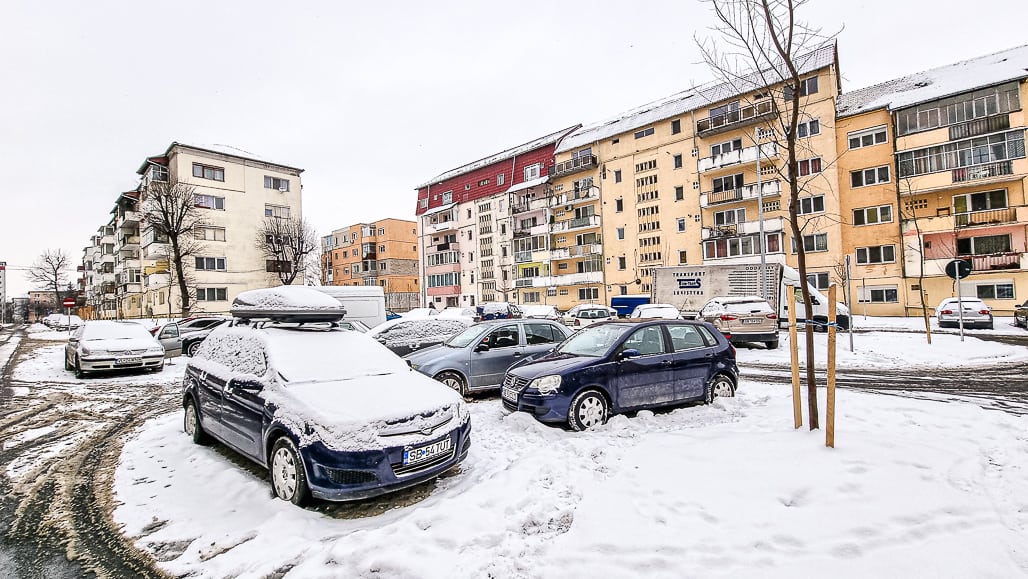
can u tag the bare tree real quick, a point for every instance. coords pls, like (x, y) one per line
(49, 272)
(915, 246)
(290, 245)
(171, 209)
(761, 46)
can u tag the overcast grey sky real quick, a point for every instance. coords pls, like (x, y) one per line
(371, 99)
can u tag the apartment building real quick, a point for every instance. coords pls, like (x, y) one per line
(958, 156)
(473, 247)
(127, 268)
(383, 253)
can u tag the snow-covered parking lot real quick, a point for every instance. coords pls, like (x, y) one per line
(914, 488)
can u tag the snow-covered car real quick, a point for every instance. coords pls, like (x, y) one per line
(1021, 315)
(278, 393)
(404, 335)
(975, 313)
(657, 311)
(200, 323)
(540, 312)
(63, 322)
(743, 319)
(191, 341)
(586, 316)
(419, 313)
(51, 320)
(568, 318)
(455, 312)
(105, 345)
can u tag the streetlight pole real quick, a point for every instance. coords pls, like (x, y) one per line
(760, 220)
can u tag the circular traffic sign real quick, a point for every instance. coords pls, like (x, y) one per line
(69, 302)
(958, 268)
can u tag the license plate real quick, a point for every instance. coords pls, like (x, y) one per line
(509, 394)
(423, 453)
(751, 321)
(132, 360)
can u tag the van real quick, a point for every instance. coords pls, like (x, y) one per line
(362, 303)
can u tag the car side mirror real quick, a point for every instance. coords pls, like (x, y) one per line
(73, 340)
(243, 384)
(627, 354)
(482, 347)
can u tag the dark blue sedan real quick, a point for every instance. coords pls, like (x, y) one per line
(620, 366)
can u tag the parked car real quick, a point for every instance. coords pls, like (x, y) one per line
(51, 320)
(623, 365)
(661, 311)
(66, 322)
(391, 315)
(191, 341)
(976, 313)
(276, 393)
(743, 319)
(198, 323)
(169, 336)
(455, 312)
(104, 345)
(419, 313)
(477, 358)
(1021, 315)
(404, 335)
(498, 311)
(540, 312)
(568, 318)
(585, 316)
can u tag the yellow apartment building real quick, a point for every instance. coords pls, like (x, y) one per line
(383, 253)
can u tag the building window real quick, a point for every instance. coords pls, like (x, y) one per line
(590, 293)
(207, 172)
(678, 161)
(381, 231)
(501, 178)
(209, 201)
(640, 134)
(983, 245)
(744, 245)
(276, 183)
(679, 193)
(995, 291)
(868, 137)
(957, 109)
(211, 294)
(726, 147)
(619, 205)
(730, 216)
(622, 262)
(159, 173)
(209, 233)
(279, 211)
(815, 242)
(980, 201)
(876, 254)
(819, 279)
(210, 263)
(809, 166)
(878, 295)
(808, 86)
(808, 205)
(483, 182)
(676, 126)
(443, 279)
(423, 203)
(620, 232)
(533, 171)
(871, 176)
(447, 197)
(728, 183)
(808, 128)
(872, 215)
(682, 259)
(617, 175)
(277, 266)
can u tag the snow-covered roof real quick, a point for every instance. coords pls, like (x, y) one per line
(528, 184)
(232, 152)
(999, 67)
(689, 100)
(503, 155)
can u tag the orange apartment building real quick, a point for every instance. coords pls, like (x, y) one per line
(383, 253)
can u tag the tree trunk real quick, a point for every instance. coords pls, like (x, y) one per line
(180, 274)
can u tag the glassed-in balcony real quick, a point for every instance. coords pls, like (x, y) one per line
(737, 158)
(745, 193)
(758, 111)
(574, 165)
(743, 228)
(577, 223)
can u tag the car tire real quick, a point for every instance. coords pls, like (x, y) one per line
(67, 364)
(991, 326)
(193, 347)
(79, 372)
(720, 386)
(191, 423)
(288, 476)
(454, 381)
(588, 409)
(772, 345)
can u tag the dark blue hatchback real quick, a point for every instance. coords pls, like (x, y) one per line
(619, 366)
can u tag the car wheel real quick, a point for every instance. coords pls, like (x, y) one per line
(589, 409)
(772, 345)
(288, 477)
(159, 368)
(191, 424)
(453, 380)
(720, 387)
(991, 326)
(193, 347)
(67, 364)
(79, 372)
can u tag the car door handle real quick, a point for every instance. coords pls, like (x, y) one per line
(708, 355)
(517, 354)
(665, 362)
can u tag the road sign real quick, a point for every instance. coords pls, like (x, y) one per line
(958, 268)
(69, 302)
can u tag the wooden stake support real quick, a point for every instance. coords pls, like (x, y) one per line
(830, 413)
(794, 354)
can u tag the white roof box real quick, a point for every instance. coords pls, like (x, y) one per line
(287, 303)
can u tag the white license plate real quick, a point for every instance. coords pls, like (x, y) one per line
(509, 394)
(423, 453)
(132, 360)
(751, 321)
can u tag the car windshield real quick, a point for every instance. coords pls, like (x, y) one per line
(594, 341)
(312, 355)
(758, 307)
(114, 331)
(465, 338)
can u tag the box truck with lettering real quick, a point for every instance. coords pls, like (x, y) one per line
(690, 287)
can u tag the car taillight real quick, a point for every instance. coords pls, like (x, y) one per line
(983, 312)
(947, 312)
(577, 322)
(728, 317)
(772, 316)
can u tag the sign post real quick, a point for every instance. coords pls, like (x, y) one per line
(849, 298)
(958, 269)
(68, 303)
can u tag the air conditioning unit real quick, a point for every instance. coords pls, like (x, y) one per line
(282, 189)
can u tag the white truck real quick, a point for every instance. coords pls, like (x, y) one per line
(690, 287)
(365, 303)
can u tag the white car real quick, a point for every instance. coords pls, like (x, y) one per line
(540, 312)
(104, 345)
(661, 311)
(588, 316)
(419, 313)
(405, 335)
(569, 316)
(976, 313)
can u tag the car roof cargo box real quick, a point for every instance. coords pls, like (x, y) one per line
(297, 304)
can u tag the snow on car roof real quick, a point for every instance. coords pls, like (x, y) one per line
(736, 299)
(414, 329)
(107, 329)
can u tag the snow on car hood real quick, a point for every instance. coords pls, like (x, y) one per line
(367, 412)
(121, 344)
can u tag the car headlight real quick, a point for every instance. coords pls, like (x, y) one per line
(92, 352)
(546, 384)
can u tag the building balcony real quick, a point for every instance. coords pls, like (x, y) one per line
(538, 255)
(738, 158)
(524, 205)
(569, 199)
(572, 166)
(443, 290)
(979, 263)
(976, 127)
(538, 281)
(573, 224)
(985, 218)
(448, 246)
(577, 251)
(986, 171)
(107, 258)
(758, 111)
(129, 219)
(745, 193)
(949, 223)
(539, 229)
(106, 278)
(129, 288)
(442, 226)
(744, 228)
(156, 251)
(579, 278)
(433, 269)
(157, 279)
(107, 239)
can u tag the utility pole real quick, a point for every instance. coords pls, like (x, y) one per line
(760, 219)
